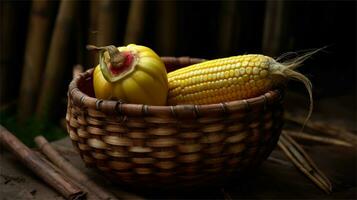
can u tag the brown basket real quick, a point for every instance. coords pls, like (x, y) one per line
(165, 145)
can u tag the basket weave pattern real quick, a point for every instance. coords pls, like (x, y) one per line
(183, 144)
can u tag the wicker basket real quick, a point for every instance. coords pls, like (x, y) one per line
(171, 145)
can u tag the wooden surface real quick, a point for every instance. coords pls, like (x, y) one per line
(277, 178)
(271, 180)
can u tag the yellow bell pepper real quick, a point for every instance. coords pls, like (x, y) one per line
(133, 74)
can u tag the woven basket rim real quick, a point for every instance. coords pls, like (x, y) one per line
(111, 106)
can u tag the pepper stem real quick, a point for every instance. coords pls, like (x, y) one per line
(116, 58)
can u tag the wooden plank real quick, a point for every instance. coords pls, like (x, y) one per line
(271, 180)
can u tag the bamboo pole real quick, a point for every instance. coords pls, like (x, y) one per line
(35, 55)
(70, 170)
(274, 24)
(227, 22)
(166, 30)
(108, 17)
(7, 48)
(135, 23)
(40, 167)
(80, 38)
(55, 66)
(91, 57)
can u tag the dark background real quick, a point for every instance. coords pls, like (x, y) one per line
(205, 29)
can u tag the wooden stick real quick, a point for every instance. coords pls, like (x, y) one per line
(324, 127)
(62, 184)
(70, 170)
(135, 23)
(56, 62)
(303, 162)
(35, 56)
(315, 138)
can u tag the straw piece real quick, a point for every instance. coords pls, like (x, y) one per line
(324, 127)
(310, 161)
(315, 138)
(70, 170)
(56, 62)
(303, 162)
(35, 55)
(278, 160)
(47, 173)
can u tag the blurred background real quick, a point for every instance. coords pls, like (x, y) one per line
(41, 42)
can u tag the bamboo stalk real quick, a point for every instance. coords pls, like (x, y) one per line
(70, 170)
(56, 61)
(8, 54)
(62, 184)
(108, 17)
(166, 30)
(309, 137)
(91, 57)
(80, 38)
(227, 24)
(324, 127)
(135, 23)
(274, 35)
(35, 55)
(303, 162)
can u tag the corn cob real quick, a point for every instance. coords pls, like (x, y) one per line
(233, 78)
